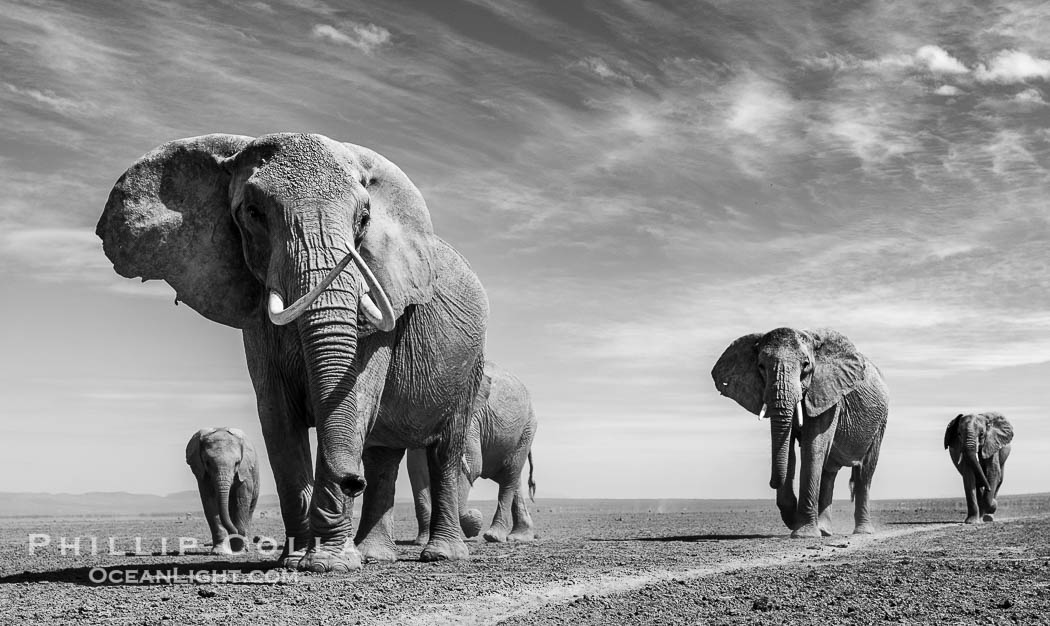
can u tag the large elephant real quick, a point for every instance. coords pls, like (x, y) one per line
(979, 444)
(499, 441)
(227, 471)
(381, 357)
(817, 389)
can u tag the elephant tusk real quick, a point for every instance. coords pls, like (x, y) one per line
(762, 413)
(381, 314)
(798, 409)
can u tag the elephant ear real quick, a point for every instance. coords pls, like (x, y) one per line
(837, 369)
(952, 431)
(398, 243)
(168, 217)
(997, 433)
(736, 373)
(246, 467)
(193, 450)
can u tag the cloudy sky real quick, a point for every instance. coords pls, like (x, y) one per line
(636, 183)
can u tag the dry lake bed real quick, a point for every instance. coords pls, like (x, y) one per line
(596, 562)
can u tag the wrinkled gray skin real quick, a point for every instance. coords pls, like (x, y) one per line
(844, 406)
(499, 441)
(227, 471)
(226, 219)
(979, 444)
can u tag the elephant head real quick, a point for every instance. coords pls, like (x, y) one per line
(977, 437)
(219, 455)
(785, 373)
(239, 227)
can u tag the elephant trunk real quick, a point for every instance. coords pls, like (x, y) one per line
(222, 483)
(970, 453)
(785, 394)
(328, 330)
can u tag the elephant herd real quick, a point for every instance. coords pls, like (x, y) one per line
(388, 355)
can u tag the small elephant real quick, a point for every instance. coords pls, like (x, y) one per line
(499, 441)
(979, 445)
(817, 389)
(227, 471)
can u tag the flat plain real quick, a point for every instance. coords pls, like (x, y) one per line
(596, 562)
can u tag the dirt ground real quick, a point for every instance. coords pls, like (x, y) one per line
(597, 562)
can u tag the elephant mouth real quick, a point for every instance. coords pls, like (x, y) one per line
(374, 303)
(798, 411)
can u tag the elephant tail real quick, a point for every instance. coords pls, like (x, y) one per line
(854, 475)
(532, 483)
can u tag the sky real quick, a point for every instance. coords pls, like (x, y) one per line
(636, 183)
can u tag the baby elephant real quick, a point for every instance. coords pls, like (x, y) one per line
(979, 445)
(499, 440)
(227, 472)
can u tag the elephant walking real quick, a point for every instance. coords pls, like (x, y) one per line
(227, 471)
(357, 320)
(979, 444)
(817, 389)
(499, 441)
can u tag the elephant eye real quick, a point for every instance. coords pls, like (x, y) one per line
(254, 213)
(362, 225)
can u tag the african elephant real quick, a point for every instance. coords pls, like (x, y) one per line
(381, 357)
(817, 389)
(979, 444)
(227, 471)
(499, 441)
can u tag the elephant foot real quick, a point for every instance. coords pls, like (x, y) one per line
(421, 539)
(496, 534)
(988, 517)
(972, 519)
(864, 529)
(222, 547)
(323, 560)
(806, 530)
(291, 560)
(525, 534)
(444, 550)
(471, 523)
(825, 531)
(375, 551)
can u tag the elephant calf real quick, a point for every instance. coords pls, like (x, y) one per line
(979, 445)
(224, 462)
(499, 441)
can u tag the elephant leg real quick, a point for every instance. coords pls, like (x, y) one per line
(501, 521)
(211, 513)
(443, 463)
(787, 502)
(827, 495)
(988, 504)
(420, 479)
(375, 533)
(970, 487)
(860, 486)
(522, 520)
(286, 435)
(331, 510)
(469, 519)
(814, 444)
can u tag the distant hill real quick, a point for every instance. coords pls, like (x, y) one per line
(115, 503)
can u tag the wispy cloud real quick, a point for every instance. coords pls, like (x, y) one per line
(365, 37)
(1013, 66)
